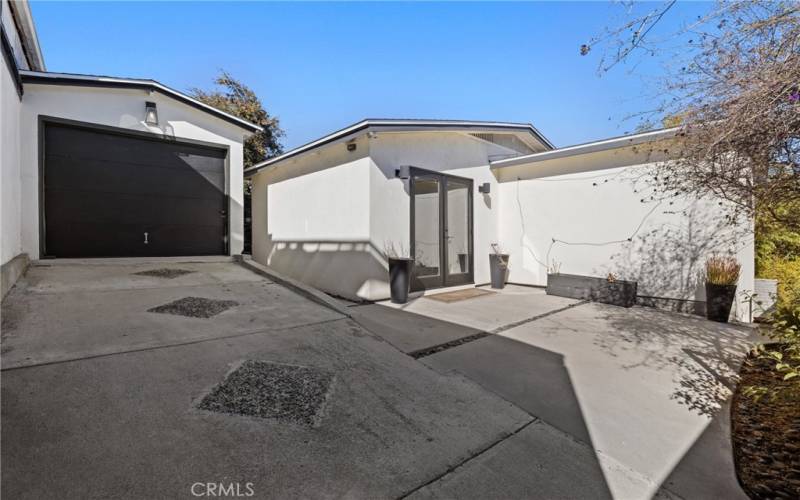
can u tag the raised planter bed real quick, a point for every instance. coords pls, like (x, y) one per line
(766, 433)
(618, 293)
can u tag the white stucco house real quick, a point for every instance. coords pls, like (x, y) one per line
(444, 191)
(96, 166)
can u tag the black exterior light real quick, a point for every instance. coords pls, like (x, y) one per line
(150, 113)
(351, 146)
(484, 188)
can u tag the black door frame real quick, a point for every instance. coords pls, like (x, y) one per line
(445, 278)
(45, 120)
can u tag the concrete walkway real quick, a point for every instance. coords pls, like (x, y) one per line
(638, 396)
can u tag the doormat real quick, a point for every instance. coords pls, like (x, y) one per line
(164, 273)
(459, 295)
(286, 393)
(195, 307)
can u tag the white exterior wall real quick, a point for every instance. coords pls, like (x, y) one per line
(592, 210)
(10, 108)
(122, 108)
(326, 217)
(449, 153)
(311, 219)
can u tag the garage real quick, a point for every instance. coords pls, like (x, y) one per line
(109, 192)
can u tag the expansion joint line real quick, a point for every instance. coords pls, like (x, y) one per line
(428, 351)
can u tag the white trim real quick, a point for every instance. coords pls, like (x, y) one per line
(589, 147)
(141, 82)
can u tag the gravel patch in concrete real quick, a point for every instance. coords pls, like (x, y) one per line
(167, 273)
(195, 307)
(285, 393)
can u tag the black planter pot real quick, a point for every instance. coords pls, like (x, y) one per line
(498, 266)
(399, 279)
(719, 300)
(462, 262)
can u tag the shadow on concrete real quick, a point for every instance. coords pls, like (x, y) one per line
(537, 380)
(708, 360)
(530, 377)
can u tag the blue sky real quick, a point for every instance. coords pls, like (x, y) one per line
(321, 66)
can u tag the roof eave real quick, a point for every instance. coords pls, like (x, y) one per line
(388, 125)
(588, 148)
(30, 39)
(38, 77)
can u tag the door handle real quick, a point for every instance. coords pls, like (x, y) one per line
(145, 238)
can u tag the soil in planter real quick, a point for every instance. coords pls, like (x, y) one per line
(766, 435)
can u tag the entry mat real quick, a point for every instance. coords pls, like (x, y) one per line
(459, 295)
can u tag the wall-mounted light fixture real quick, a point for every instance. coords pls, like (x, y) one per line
(150, 113)
(404, 172)
(351, 146)
(484, 188)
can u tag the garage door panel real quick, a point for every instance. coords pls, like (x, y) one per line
(73, 141)
(65, 206)
(165, 240)
(123, 177)
(111, 195)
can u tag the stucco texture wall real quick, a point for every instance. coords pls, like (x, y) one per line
(122, 108)
(328, 216)
(589, 219)
(10, 183)
(311, 220)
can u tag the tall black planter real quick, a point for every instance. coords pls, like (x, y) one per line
(719, 299)
(462, 263)
(399, 278)
(498, 266)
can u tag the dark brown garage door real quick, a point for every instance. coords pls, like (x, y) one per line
(114, 195)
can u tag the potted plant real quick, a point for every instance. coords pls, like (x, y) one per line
(498, 266)
(722, 274)
(400, 267)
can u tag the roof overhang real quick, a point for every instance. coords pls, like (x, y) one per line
(396, 125)
(27, 32)
(67, 79)
(589, 147)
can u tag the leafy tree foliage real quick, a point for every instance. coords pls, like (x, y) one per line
(235, 98)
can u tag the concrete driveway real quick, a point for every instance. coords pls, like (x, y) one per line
(512, 395)
(641, 394)
(100, 397)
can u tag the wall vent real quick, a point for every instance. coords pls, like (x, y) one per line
(509, 141)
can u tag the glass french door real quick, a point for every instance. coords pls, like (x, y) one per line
(441, 230)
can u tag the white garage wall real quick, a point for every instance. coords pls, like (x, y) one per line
(122, 108)
(591, 211)
(10, 216)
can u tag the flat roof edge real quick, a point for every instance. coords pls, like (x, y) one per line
(47, 78)
(589, 147)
